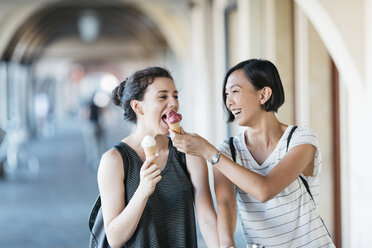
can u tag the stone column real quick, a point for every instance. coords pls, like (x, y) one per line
(200, 84)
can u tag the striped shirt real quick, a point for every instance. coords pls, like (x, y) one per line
(290, 219)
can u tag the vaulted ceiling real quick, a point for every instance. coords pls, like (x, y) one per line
(53, 30)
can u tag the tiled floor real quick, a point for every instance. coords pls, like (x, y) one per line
(52, 209)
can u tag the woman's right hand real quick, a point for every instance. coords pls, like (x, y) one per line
(193, 144)
(150, 176)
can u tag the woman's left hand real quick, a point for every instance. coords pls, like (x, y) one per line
(193, 144)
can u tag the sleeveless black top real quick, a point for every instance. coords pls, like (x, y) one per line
(168, 219)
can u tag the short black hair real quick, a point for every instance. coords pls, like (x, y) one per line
(134, 88)
(260, 73)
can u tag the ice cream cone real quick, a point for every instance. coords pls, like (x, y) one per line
(149, 146)
(175, 127)
(149, 151)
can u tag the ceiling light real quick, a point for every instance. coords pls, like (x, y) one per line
(89, 26)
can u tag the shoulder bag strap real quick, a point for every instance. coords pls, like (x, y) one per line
(232, 148)
(301, 177)
(94, 212)
(304, 180)
(290, 135)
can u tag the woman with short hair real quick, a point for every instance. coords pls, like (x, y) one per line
(274, 163)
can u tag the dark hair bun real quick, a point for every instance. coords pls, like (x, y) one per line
(117, 93)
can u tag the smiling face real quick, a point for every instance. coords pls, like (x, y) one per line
(242, 99)
(161, 96)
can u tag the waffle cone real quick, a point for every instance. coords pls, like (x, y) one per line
(149, 151)
(175, 127)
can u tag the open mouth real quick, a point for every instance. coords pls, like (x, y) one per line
(164, 117)
(236, 112)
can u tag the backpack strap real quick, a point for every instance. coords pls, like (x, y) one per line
(94, 212)
(233, 155)
(290, 135)
(306, 186)
(232, 148)
(97, 205)
(301, 177)
(304, 180)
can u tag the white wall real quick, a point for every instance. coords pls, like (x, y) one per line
(348, 17)
(320, 119)
(341, 26)
(314, 102)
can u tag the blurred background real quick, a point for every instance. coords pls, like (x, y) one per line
(60, 59)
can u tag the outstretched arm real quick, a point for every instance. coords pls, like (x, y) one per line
(205, 212)
(263, 188)
(266, 187)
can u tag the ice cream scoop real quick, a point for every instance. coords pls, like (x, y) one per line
(149, 145)
(148, 141)
(172, 118)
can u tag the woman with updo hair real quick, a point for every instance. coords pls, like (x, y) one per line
(149, 202)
